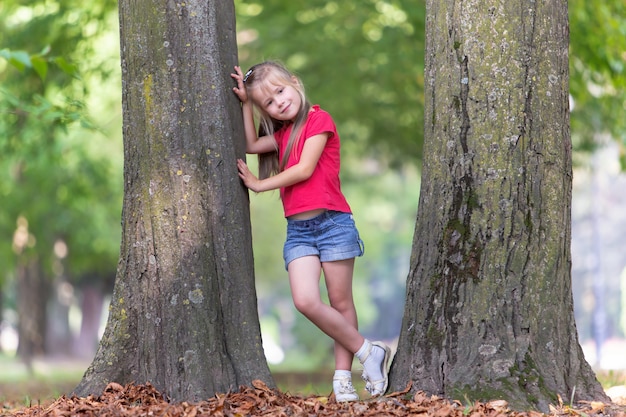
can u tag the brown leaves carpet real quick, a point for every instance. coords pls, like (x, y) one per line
(259, 400)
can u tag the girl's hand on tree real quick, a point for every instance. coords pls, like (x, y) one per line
(248, 178)
(240, 90)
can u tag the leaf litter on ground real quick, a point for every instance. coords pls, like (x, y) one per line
(260, 400)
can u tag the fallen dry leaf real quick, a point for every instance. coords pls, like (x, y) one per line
(260, 400)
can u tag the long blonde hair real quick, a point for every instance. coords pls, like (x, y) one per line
(262, 76)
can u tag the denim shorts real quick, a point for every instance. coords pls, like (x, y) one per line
(332, 236)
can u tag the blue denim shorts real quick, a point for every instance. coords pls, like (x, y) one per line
(332, 236)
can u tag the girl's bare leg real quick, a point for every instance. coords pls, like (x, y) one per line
(304, 276)
(338, 276)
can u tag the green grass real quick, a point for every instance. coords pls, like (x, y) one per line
(15, 371)
(48, 380)
(611, 378)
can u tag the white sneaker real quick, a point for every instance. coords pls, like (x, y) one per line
(376, 367)
(343, 389)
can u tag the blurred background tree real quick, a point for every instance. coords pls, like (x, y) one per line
(61, 147)
(61, 166)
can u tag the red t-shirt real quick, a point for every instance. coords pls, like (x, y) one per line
(323, 188)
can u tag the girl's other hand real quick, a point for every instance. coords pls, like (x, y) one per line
(248, 178)
(240, 90)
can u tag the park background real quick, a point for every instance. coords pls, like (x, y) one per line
(61, 164)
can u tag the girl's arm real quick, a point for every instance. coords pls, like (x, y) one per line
(311, 152)
(254, 144)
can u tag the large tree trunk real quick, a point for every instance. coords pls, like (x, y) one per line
(489, 310)
(184, 311)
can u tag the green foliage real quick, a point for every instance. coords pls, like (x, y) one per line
(38, 62)
(362, 61)
(598, 72)
(61, 163)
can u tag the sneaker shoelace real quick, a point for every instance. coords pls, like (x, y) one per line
(345, 386)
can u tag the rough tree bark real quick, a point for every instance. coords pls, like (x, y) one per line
(489, 310)
(184, 311)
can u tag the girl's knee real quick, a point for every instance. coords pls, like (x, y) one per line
(306, 305)
(342, 304)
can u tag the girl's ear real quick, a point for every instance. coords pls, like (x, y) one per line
(295, 79)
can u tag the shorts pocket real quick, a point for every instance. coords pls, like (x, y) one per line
(342, 219)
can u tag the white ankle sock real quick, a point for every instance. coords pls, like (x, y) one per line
(372, 362)
(363, 350)
(340, 373)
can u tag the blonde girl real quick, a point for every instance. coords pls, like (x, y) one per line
(299, 154)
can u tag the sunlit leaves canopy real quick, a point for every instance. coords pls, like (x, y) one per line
(361, 60)
(364, 62)
(60, 173)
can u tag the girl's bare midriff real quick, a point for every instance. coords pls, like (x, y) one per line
(306, 215)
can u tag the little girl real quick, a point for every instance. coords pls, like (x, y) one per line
(299, 154)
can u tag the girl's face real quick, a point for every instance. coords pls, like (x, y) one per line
(280, 100)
